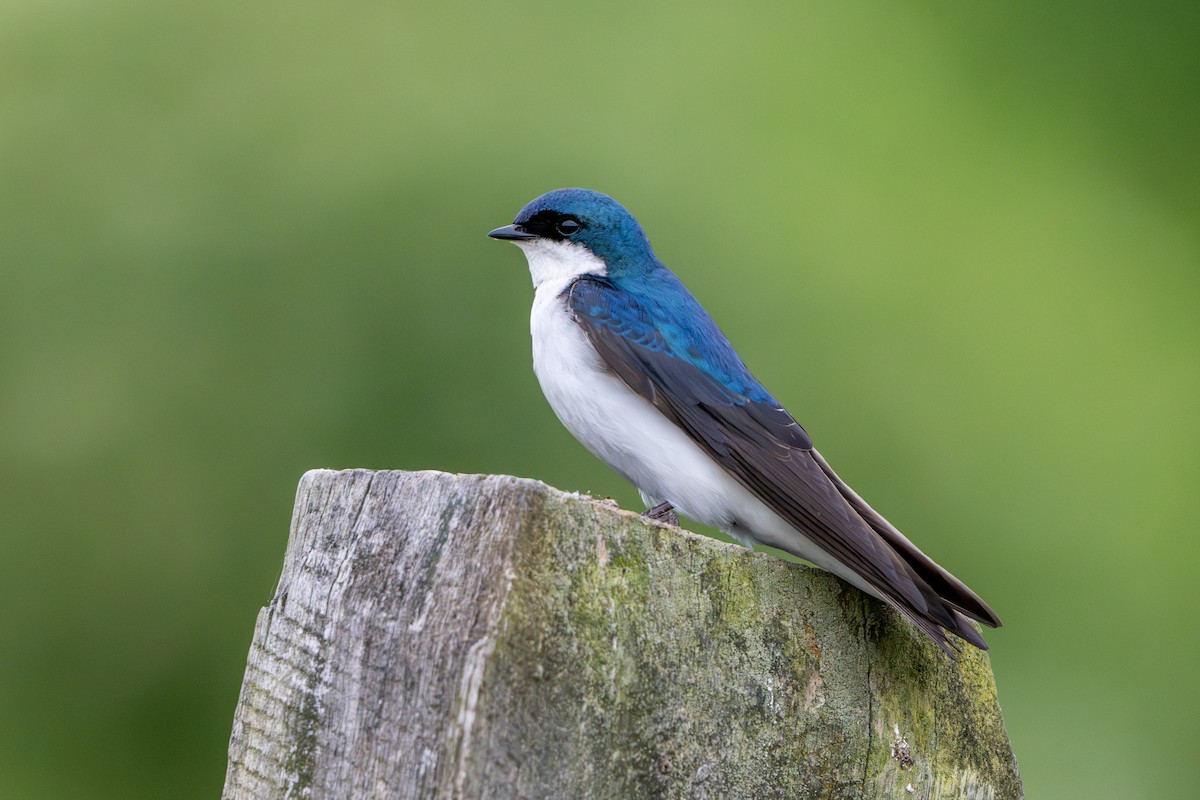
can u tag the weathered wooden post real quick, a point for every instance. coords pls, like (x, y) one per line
(446, 636)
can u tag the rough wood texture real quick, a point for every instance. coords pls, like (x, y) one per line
(442, 636)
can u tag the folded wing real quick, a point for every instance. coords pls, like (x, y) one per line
(760, 445)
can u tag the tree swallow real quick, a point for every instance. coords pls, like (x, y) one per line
(638, 372)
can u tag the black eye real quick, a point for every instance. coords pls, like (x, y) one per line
(568, 225)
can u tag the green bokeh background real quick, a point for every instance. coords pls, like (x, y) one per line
(961, 241)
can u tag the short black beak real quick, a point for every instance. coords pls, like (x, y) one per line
(512, 232)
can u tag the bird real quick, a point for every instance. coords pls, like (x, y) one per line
(638, 371)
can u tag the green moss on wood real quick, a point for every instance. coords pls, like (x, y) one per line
(693, 668)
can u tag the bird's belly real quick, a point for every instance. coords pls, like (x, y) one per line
(621, 428)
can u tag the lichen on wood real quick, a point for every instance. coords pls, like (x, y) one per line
(439, 635)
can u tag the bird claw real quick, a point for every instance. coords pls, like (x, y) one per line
(663, 512)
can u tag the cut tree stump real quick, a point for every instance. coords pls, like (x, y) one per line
(483, 636)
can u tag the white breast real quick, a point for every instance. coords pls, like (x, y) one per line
(617, 425)
(610, 419)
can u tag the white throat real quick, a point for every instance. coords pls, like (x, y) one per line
(558, 263)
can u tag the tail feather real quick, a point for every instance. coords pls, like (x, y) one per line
(950, 603)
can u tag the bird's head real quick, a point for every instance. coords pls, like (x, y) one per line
(571, 232)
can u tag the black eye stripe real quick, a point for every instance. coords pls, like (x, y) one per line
(552, 225)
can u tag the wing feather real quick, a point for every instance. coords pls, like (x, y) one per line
(760, 445)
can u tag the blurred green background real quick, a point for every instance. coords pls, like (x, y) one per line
(240, 240)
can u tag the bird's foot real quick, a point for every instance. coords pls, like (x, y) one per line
(663, 512)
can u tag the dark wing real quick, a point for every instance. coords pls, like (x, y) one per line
(759, 444)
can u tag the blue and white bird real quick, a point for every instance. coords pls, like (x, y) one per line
(638, 371)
